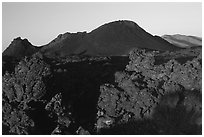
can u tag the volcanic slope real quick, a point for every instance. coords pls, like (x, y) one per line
(20, 48)
(112, 39)
(183, 40)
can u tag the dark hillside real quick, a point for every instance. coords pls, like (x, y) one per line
(20, 48)
(116, 38)
(111, 39)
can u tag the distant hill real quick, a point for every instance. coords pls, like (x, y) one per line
(20, 48)
(183, 40)
(112, 39)
(119, 37)
(115, 38)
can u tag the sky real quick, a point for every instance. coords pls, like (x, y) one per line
(41, 22)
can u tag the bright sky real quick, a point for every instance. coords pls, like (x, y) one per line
(42, 22)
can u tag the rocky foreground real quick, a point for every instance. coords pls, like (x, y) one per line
(147, 92)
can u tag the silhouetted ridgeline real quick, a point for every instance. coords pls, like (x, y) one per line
(20, 48)
(111, 39)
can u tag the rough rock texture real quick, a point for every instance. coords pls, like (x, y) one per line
(25, 85)
(151, 92)
(155, 96)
